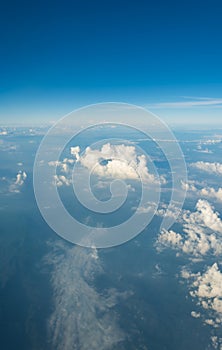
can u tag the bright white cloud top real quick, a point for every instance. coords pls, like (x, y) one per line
(122, 162)
(207, 289)
(201, 235)
(108, 162)
(20, 179)
(206, 192)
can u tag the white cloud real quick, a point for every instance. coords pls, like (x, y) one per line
(203, 150)
(206, 288)
(194, 102)
(20, 179)
(212, 168)
(74, 151)
(82, 317)
(195, 314)
(211, 141)
(111, 161)
(170, 239)
(206, 192)
(61, 180)
(189, 186)
(149, 207)
(205, 216)
(172, 211)
(202, 231)
(210, 192)
(64, 165)
(216, 342)
(117, 161)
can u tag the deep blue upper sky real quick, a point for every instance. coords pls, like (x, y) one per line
(57, 55)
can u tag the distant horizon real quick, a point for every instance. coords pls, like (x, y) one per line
(161, 55)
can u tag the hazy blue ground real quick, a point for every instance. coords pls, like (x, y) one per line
(55, 295)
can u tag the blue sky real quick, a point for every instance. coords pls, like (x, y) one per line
(60, 55)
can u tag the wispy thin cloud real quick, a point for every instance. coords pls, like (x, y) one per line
(192, 102)
(82, 317)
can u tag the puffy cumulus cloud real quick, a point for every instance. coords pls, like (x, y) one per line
(205, 216)
(64, 165)
(111, 161)
(74, 151)
(170, 239)
(189, 186)
(216, 342)
(82, 317)
(206, 192)
(20, 179)
(202, 231)
(210, 192)
(206, 288)
(195, 314)
(212, 168)
(64, 176)
(149, 207)
(117, 161)
(61, 180)
(170, 211)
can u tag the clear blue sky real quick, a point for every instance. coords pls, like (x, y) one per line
(59, 55)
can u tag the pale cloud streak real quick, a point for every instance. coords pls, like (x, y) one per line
(82, 318)
(192, 102)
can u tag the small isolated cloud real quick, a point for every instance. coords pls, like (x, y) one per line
(20, 179)
(61, 180)
(203, 150)
(206, 288)
(64, 165)
(195, 314)
(211, 168)
(149, 207)
(202, 231)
